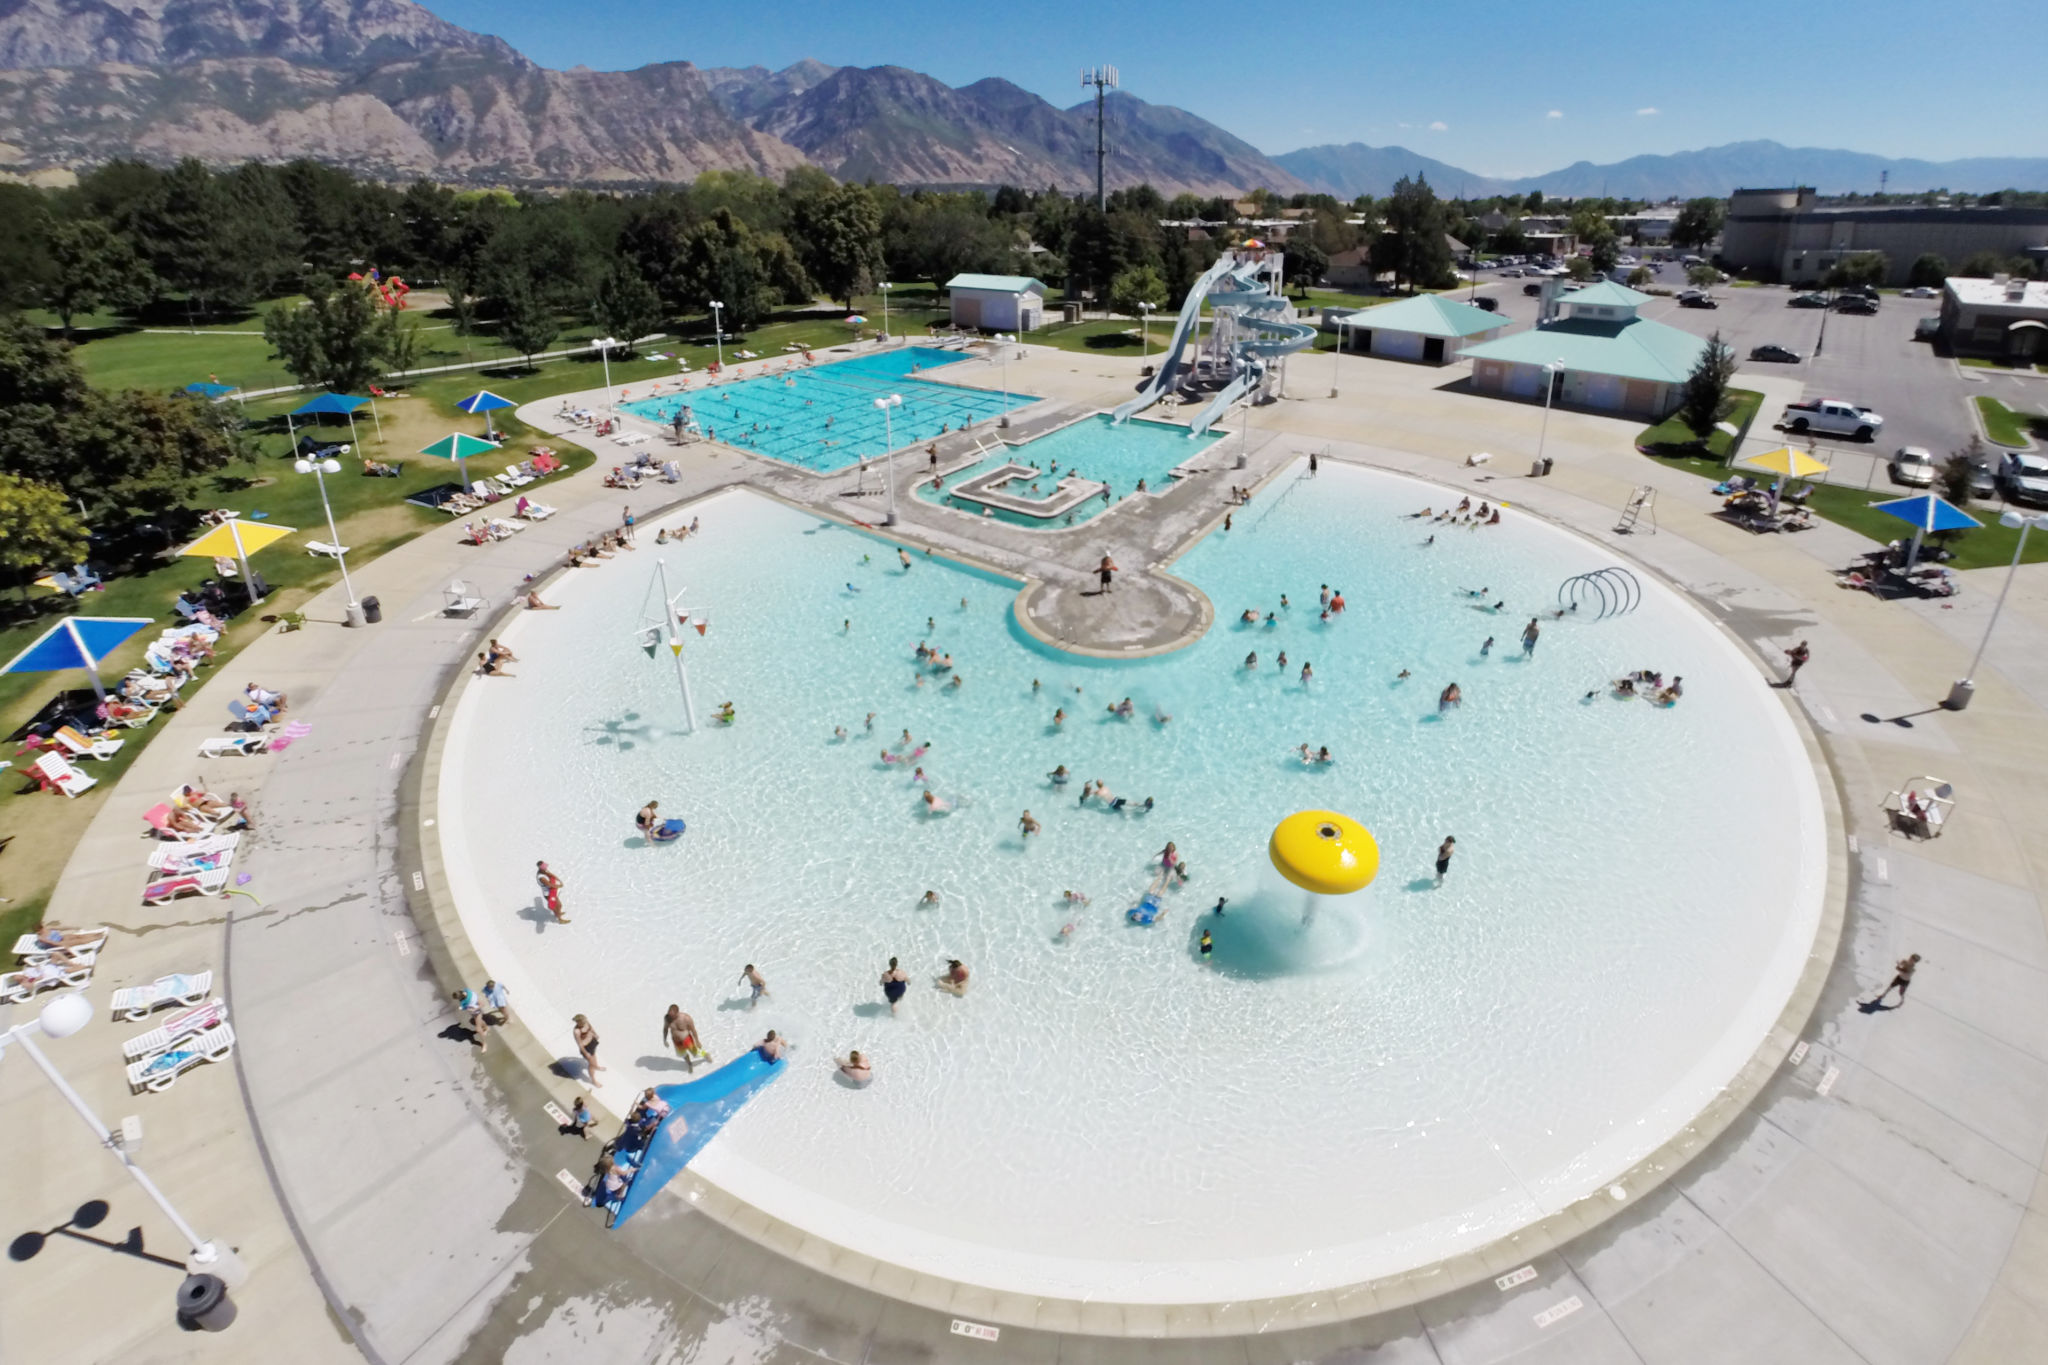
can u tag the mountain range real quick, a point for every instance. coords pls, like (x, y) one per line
(387, 89)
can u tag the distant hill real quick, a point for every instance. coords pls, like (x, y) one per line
(1353, 169)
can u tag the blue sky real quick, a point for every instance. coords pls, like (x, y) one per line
(1493, 87)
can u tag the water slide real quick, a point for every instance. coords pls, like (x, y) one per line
(697, 1110)
(1240, 303)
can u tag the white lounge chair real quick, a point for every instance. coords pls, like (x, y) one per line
(184, 988)
(28, 950)
(321, 547)
(160, 1072)
(537, 511)
(220, 746)
(169, 886)
(196, 855)
(37, 977)
(461, 599)
(177, 1028)
(83, 746)
(58, 775)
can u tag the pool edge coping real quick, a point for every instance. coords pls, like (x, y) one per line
(455, 960)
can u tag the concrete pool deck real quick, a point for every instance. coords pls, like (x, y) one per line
(1881, 1200)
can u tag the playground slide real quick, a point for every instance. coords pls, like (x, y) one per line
(1185, 329)
(697, 1110)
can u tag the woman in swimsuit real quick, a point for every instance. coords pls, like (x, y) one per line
(586, 1048)
(895, 982)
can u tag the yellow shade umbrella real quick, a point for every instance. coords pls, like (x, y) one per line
(1786, 461)
(240, 539)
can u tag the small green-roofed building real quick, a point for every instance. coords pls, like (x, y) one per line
(997, 303)
(1428, 327)
(1598, 355)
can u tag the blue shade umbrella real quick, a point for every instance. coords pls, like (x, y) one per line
(328, 404)
(1924, 514)
(485, 402)
(207, 388)
(697, 1110)
(78, 642)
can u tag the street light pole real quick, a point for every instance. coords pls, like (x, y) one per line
(61, 1018)
(320, 469)
(1550, 373)
(604, 349)
(885, 310)
(1004, 421)
(1335, 354)
(1144, 332)
(1960, 694)
(888, 405)
(718, 331)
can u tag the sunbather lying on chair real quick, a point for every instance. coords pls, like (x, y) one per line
(52, 937)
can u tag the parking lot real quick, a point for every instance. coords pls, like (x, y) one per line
(1871, 360)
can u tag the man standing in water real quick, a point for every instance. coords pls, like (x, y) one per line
(1444, 851)
(756, 985)
(1529, 634)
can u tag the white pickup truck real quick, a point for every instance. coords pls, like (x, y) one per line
(1833, 417)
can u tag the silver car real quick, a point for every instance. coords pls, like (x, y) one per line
(1913, 466)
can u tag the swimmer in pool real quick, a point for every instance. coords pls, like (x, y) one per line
(1058, 776)
(870, 724)
(930, 900)
(934, 805)
(1308, 673)
(1283, 601)
(1028, 826)
(895, 982)
(1403, 675)
(1448, 698)
(954, 980)
(1059, 718)
(1251, 661)
(1160, 716)
(1074, 898)
(1248, 616)
(839, 733)
(1281, 662)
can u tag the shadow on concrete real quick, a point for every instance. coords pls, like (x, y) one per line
(90, 1214)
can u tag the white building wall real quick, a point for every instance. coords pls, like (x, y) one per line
(1397, 345)
(998, 311)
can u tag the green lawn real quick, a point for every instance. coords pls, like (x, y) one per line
(2008, 428)
(1672, 437)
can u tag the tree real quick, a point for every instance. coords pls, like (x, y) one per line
(1413, 247)
(723, 260)
(1928, 271)
(1858, 268)
(1579, 268)
(837, 232)
(1957, 471)
(1596, 234)
(1641, 276)
(1698, 222)
(38, 529)
(1705, 400)
(1306, 262)
(91, 268)
(525, 323)
(1982, 265)
(1702, 276)
(626, 305)
(1139, 284)
(342, 339)
(1510, 240)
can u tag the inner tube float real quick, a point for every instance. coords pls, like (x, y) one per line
(666, 831)
(1145, 911)
(1324, 852)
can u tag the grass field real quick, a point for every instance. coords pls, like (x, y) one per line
(2008, 428)
(1672, 436)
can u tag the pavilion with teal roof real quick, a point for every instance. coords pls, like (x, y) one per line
(1599, 354)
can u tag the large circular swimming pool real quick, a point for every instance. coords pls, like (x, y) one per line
(1339, 1091)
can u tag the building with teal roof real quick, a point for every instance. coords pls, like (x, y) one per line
(1427, 327)
(1597, 353)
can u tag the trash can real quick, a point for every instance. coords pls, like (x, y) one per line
(1535, 469)
(373, 611)
(1547, 463)
(204, 1303)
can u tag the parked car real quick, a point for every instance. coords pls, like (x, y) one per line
(1861, 291)
(1781, 354)
(1513, 272)
(1983, 484)
(1919, 291)
(1487, 302)
(1912, 466)
(1690, 299)
(1856, 303)
(1927, 329)
(1833, 416)
(1807, 301)
(2025, 479)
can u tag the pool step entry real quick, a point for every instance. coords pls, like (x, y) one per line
(1612, 591)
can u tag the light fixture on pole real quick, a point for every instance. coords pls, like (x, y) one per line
(885, 309)
(1966, 687)
(718, 331)
(674, 617)
(603, 346)
(1550, 374)
(1002, 344)
(888, 405)
(320, 469)
(61, 1018)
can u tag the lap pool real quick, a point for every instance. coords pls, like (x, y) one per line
(823, 417)
(1411, 1072)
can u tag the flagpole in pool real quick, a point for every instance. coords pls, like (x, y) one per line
(675, 645)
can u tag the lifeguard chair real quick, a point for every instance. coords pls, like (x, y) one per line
(1921, 807)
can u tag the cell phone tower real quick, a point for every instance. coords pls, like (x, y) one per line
(1104, 80)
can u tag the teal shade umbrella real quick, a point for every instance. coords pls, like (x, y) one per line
(1924, 514)
(78, 642)
(207, 388)
(329, 404)
(459, 447)
(485, 402)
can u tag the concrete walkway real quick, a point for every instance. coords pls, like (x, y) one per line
(396, 1196)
